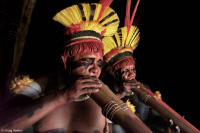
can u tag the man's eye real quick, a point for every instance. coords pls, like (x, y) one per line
(125, 71)
(133, 69)
(85, 61)
(89, 61)
(100, 63)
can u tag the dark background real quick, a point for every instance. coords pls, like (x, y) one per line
(166, 58)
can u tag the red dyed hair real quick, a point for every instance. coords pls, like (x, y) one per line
(123, 62)
(82, 48)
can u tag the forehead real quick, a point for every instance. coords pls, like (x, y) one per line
(124, 63)
(128, 66)
(96, 56)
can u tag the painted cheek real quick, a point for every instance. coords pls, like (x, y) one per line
(86, 66)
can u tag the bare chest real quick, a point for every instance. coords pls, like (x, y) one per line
(78, 117)
(87, 115)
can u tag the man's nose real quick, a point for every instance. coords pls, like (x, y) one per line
(131, 75)
(94, 70)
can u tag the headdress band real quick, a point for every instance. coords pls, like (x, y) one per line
(119, 56)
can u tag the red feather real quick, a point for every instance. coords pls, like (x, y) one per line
(129, 22)
(134, 12)
(127, 18)
(105, 4)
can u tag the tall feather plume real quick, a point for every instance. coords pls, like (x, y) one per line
(134, 12)
(129, 22)
(105, 4)
(127, 17)
(125, 39)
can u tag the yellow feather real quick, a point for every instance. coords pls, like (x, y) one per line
(19, 83)
(97, 11)
(92, 26)
(69, 16)
(72, 15)
(133, 37)
(131, 106)
(87, 11)
(107, 12)
(132, 40)
(124, 35)
(111, 42)
(110, 29)
(118, 39)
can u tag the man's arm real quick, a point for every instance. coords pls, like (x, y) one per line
(22, 112)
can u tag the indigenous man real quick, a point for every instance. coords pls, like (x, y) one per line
(120, 73)
(70, 110)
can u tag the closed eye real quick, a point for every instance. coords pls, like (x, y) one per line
(133, 69)
(83, 62)
(86, 60)
(125, 71)
(100, 63)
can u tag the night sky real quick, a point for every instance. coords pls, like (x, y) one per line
(166, 58)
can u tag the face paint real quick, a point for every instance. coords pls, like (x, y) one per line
(85, 62)
(124, 74)
(100, 63)
(87, 65)
(128, 73)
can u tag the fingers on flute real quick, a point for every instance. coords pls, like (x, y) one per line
(173, 126)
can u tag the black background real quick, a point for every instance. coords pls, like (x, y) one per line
(166, 58)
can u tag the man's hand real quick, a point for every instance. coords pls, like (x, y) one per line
(126, 88)
(173, 128)
(83, 85)
(129, 85)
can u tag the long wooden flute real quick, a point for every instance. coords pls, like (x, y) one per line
(164, 110)
(117, 111)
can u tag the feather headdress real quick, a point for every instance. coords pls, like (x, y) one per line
(86, 24)
(124, 42)
(86, 20)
